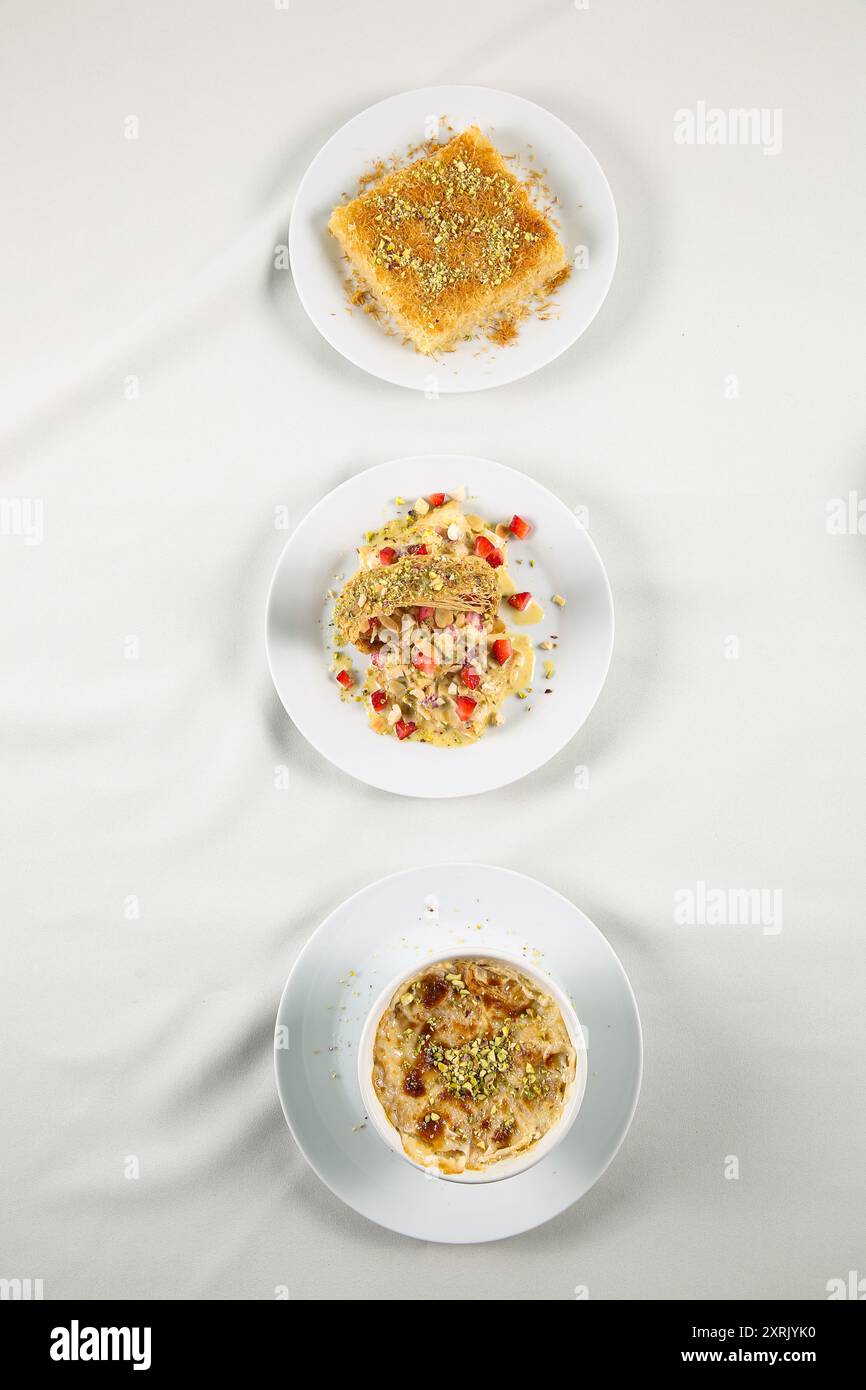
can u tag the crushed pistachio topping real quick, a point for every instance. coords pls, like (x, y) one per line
(534, 1085)
(476, 1068)
(451, 219)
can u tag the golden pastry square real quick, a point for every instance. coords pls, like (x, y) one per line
(449, 243)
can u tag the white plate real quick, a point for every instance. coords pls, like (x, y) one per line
(386, 928)
(566, 562)
(586, 213)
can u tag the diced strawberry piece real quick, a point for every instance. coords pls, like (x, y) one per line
(502, 650)
(519, 528)
(465, 707)
(519, 601)
(470, 677)
(417, 550)
(425, 612)
(387, 555)
(487, 550)
(436, 499)
(378, 699)
(373, 626)
(345, 680)
(403, 728)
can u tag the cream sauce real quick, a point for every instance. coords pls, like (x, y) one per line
(532, 613)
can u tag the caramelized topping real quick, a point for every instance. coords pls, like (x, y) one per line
(432, 988)
(431, 1128)
(414, 1082)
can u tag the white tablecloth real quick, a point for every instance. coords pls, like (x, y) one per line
(164, 393)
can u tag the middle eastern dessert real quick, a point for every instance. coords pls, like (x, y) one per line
(472, 1063)
(424, 610)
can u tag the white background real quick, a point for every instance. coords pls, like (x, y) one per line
(155, 777)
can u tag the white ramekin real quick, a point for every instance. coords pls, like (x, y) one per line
(506, 1167)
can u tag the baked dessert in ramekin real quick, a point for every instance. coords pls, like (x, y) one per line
(473, 1066)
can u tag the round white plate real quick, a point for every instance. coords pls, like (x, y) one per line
(386, 928)
(586, 214)
(299, 645)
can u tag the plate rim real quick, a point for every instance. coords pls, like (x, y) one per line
(450, 387)
(587, 921)
(459, 459)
